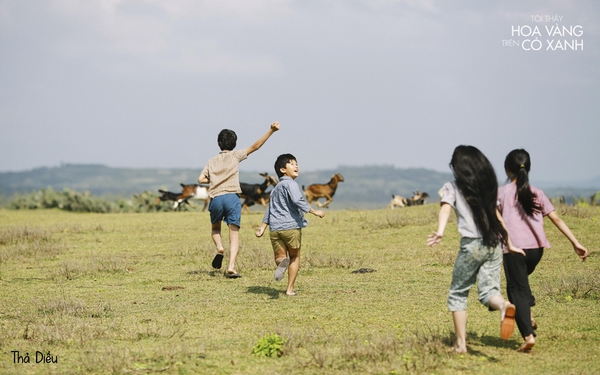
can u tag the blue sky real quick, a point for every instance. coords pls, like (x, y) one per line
(130, 83)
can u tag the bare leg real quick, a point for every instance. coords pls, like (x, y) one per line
(282, 263)
(460, 328)
(216, 236)
(498, 303)
(280, 255)
(234, 245)
(293, 269)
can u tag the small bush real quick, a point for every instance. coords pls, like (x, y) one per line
(270, 345)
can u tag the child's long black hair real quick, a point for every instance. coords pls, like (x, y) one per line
(477, 182)
(517, 164)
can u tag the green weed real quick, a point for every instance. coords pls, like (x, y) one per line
(270, 345)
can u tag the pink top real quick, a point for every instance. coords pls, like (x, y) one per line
(525, 232)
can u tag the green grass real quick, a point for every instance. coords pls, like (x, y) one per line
(135, 294)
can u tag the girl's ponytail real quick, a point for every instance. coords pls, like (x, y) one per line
(517, 165)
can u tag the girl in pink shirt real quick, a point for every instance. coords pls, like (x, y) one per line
(473, 196)
(523, 208)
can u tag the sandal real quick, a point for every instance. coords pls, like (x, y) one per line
(218, 261)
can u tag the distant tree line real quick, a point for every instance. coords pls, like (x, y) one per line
(74, 201)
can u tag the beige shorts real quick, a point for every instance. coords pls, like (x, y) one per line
(286, 239)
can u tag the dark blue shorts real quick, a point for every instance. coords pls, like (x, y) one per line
(226, 207)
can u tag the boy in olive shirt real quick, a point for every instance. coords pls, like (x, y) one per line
(222, 174)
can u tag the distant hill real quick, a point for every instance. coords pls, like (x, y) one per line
(364, 187)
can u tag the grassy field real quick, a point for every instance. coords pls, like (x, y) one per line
(135, 294)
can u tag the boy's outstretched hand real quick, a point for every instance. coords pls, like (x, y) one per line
(275, 126)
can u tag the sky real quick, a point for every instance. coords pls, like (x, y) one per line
(149, 84)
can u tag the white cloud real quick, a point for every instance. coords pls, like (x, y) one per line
(124, 31)
(245, 11)
(206, 58)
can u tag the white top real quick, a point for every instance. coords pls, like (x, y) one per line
(466, 224)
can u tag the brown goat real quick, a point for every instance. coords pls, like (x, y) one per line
(316, 191)
(191, 191)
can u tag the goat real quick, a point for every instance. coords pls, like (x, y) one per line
(170, 196)
(418, 199)
(315, 191)
(254, 191)
(397, 201)
(191, 191)
(195, 191)
(262, 198)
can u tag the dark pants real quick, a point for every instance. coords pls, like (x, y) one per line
(517, 269)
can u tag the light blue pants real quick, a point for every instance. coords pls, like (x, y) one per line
(475, 262)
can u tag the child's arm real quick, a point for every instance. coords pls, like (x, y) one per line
(509, 244)
(265, 222)
(258, 144)
(202, 179)
(560, 224)
(261, 230)
(436, 237)
(318, 213)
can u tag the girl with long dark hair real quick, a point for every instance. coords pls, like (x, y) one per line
(523, 208)
(473, 195)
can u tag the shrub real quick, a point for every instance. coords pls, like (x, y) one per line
(70, 200)
(270, 345)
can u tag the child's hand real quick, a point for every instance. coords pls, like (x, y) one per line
(260, 231)
(513, 249)
(581, 251)
(434, 239)
(275, 126)
(319, 213)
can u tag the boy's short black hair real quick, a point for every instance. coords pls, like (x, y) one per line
(281, 161)
(227, 140)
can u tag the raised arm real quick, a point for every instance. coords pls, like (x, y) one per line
(261, 141)
(560, 224)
